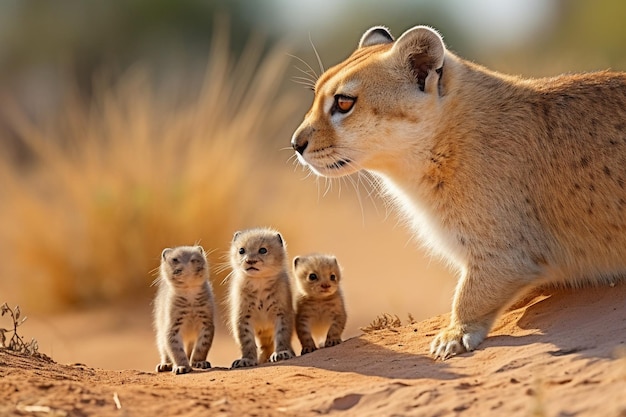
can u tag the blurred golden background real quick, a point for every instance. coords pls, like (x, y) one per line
(128, 127)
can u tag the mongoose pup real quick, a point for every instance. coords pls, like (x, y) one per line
(183, 310)
(516, 182)
(260, 297)
(320, 309)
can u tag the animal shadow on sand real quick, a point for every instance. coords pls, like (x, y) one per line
(589, 322)
(371, 358)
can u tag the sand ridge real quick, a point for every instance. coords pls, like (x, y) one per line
(561, 354)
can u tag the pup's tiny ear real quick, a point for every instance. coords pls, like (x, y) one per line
(236, 235)
(421, 50)
(165, 252)
(295, 261)
(280, 239)
(376, 35)
(201, 249)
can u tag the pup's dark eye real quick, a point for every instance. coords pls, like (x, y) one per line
(312, 277)
(242, 251)
(263, 251)
(175, 260)
(333, 277)
(343, 104)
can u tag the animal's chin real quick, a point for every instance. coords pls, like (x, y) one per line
(329, 168)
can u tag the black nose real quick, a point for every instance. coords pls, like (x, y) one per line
(299, 145)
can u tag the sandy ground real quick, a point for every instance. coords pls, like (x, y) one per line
(562, 354)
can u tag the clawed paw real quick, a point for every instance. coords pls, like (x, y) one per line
(179, 370)
(455, 340)
(308, 349)
(164, 367)
(201, 364)
(243, 363)
(281, 356)
(332, 342)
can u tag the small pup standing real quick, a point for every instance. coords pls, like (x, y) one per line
(183, 310)
(260, 297)
(319, 301)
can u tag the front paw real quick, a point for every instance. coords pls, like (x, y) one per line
(456, 339)
(243, 363)
(281, 355)
(201, 364)
(183, 369)
(164, 367)
(332, 342)
(308, 349)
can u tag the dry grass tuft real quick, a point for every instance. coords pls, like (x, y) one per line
(135, 169)
(382, 322)
(16, 342)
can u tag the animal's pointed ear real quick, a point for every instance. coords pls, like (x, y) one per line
(375, 36)
(296, 260)
(280, 239)
(236, 235)
(421, 50)
(166, 252)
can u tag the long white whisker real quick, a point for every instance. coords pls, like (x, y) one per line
(319, 61)
(329, 186)
(312, 71)
(309, 75)
(227, 278)
(304, 82)
(355, 185)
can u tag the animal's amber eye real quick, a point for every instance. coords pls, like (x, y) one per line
(343, 104)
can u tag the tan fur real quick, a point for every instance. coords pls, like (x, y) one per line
(320, 310)
(516, 182)
(260, 297)
(184, 310)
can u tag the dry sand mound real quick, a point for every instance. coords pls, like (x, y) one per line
(560, 355)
